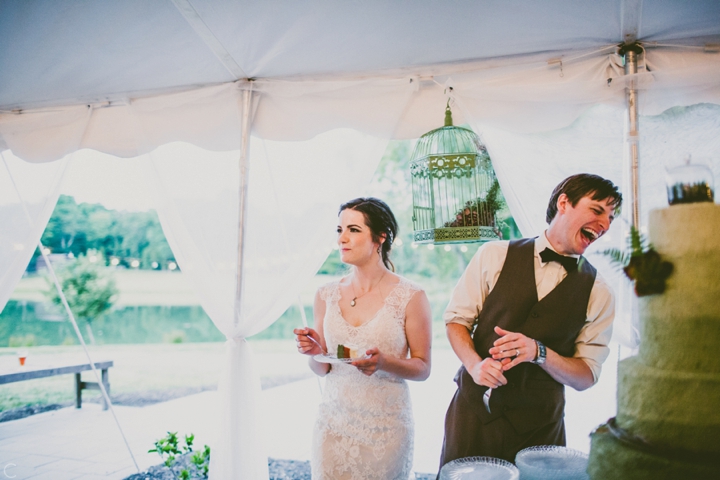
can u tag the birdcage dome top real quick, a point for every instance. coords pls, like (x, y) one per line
(448, 140)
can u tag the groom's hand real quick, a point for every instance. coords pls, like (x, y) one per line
(513, 348)
(488, 373)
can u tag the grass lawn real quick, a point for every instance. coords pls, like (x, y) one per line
(137, 288)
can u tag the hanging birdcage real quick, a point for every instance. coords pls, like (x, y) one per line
(456, 195)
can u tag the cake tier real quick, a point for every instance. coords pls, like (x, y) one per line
(669, 409)
(680, 329)
(685, 228)
(612, 458)
(680, 344)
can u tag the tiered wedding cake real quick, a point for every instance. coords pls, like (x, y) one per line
(668, 415)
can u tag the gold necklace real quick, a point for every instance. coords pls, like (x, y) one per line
(353, 302)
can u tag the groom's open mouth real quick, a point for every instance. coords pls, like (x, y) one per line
(590, 234)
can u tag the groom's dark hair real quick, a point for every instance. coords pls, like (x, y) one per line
(582, 185)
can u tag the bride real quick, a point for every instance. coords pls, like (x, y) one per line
(364, 428)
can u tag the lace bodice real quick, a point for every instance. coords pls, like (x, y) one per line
(386, 330)
(365, 426)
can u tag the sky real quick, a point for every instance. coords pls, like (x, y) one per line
(116, 183)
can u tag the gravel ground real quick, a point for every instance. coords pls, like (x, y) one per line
(26, 411)
(279, 470)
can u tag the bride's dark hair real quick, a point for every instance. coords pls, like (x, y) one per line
(381, 221)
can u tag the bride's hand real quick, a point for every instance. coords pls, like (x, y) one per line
(304, 344)
(370, 365)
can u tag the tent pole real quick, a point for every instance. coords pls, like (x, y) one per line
(630, 54)
(242, 200)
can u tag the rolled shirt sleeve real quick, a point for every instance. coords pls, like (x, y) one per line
(592, 342)
(475, 284)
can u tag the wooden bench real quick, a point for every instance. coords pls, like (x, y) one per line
(29, 373)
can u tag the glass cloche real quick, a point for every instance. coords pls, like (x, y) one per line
(689, 183)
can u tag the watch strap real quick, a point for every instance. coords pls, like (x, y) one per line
(541, 353)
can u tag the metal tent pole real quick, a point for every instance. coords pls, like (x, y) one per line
(630, 53)
(242, 200)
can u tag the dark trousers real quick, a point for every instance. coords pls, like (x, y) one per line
(467, 436)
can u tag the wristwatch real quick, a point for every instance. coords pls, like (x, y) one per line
(541, 353)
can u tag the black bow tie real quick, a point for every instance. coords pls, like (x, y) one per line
(569, 263)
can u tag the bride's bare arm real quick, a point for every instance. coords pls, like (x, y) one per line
(418, 331)
(306, 346)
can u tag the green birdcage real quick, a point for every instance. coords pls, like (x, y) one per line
(456, 195)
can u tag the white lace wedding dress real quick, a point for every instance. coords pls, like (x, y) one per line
(365, 427)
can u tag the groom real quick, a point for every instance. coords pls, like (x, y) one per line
(542, 319)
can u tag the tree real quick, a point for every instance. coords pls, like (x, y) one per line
(66, 231)
(89, 289)
(128, 236)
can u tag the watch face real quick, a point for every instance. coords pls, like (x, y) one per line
(541, 354)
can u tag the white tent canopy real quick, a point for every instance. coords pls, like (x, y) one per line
(320, 65)
(80, 52)
(541, 81)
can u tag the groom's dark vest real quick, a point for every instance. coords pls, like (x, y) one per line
(531, 397)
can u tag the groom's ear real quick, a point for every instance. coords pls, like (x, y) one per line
(562, 203)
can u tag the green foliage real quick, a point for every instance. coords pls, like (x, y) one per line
(480, 211)
(123, 325)
(169, 449)
(201, 460)
(75, 229)
(642, 265)
(28, 340)
(88, 286)
(690, 193)
(333, 265)
(175, 336)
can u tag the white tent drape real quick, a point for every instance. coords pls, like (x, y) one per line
(28, 194)
(292, 210)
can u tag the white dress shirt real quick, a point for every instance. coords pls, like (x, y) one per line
(482, 274)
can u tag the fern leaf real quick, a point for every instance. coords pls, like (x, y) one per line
(617, 256)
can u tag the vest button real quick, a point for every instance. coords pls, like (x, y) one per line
(535, 314)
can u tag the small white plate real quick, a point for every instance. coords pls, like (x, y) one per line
(479, 468)
(334, 359)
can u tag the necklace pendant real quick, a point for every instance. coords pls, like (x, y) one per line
(352, 302)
